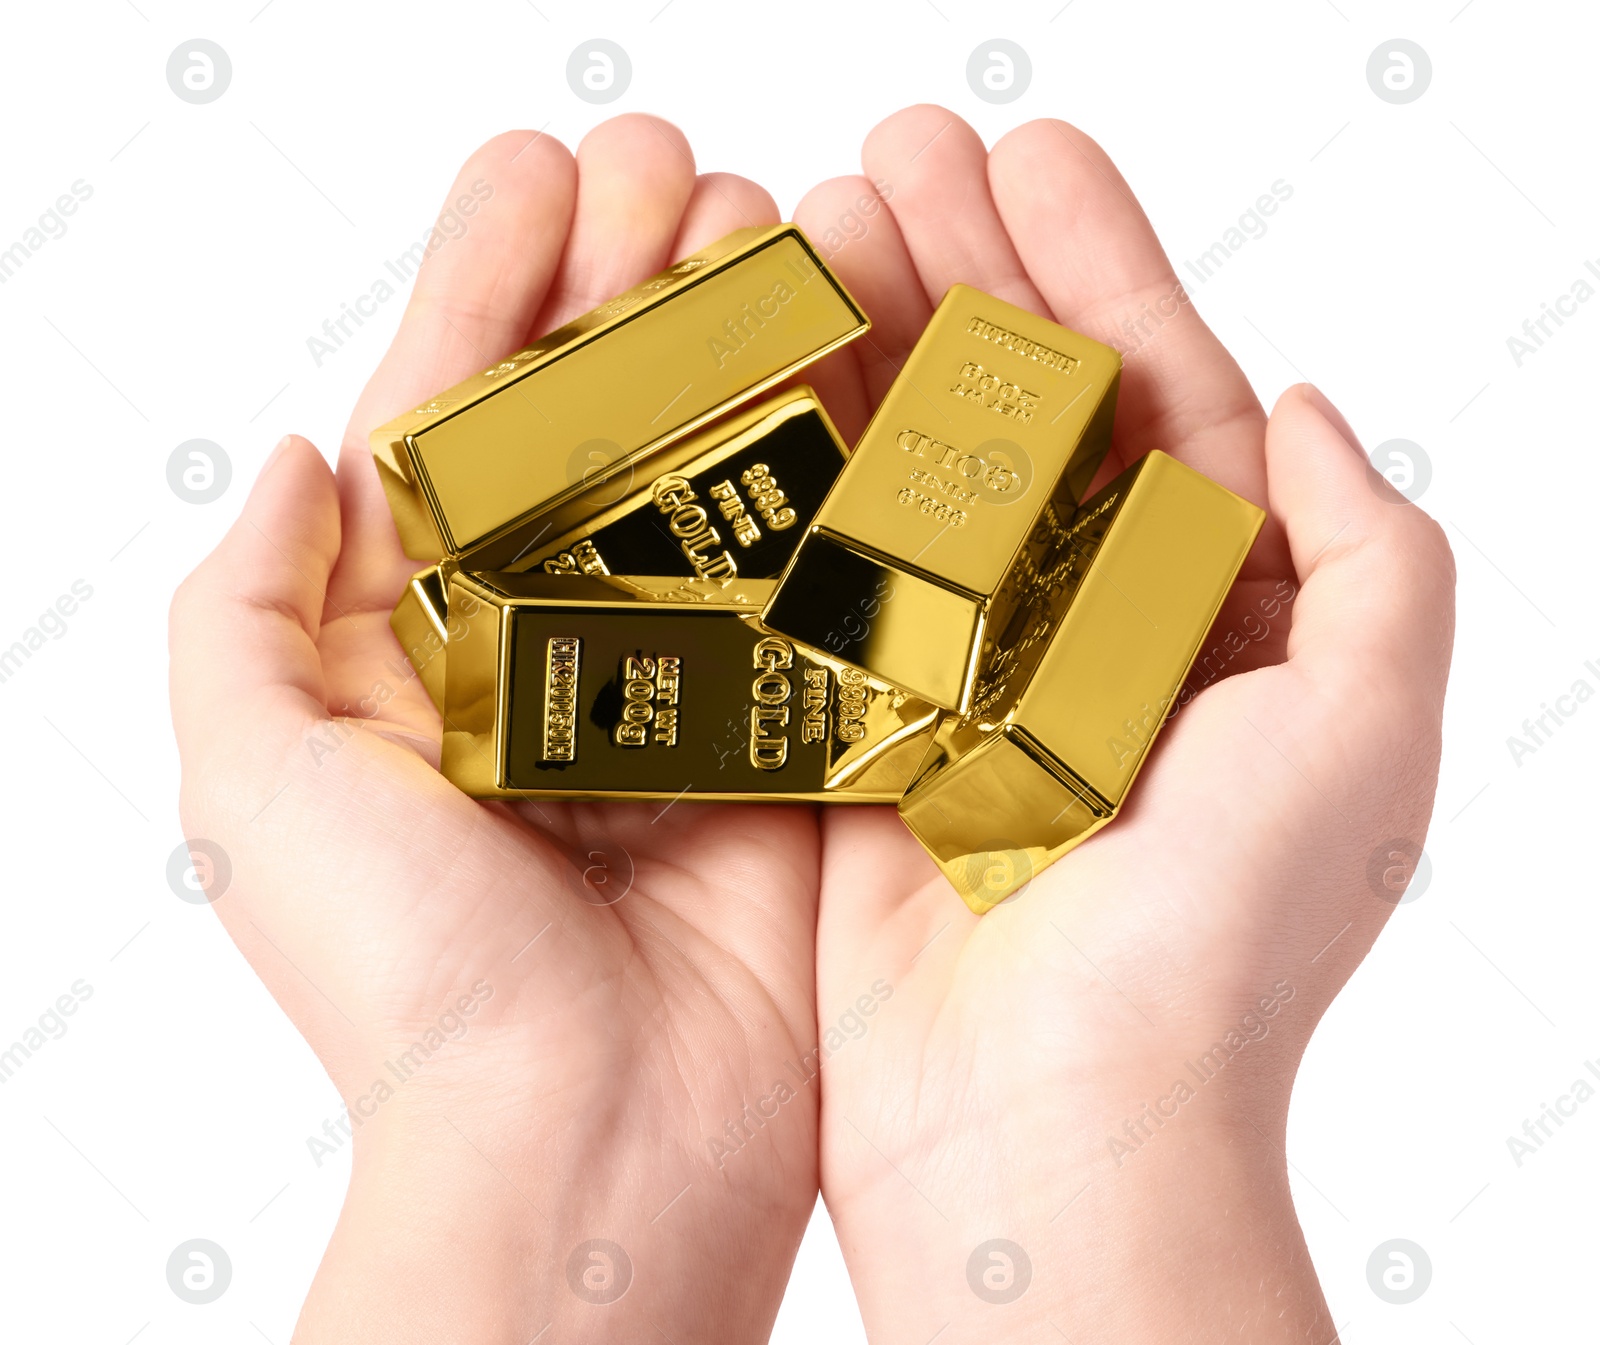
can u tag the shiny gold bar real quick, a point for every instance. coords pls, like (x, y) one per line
(996, 415)
(604, 687)
(1075, 688)
(727, 503)
(420, 621)
(468, 472)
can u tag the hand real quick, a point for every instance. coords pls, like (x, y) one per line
(1029, 1078)
(598, 990)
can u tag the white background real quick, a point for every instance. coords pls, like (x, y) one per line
(218, 238)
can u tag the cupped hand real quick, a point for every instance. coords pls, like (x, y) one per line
(553, 1026)
(1067, 1119)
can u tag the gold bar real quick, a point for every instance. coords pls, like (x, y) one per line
(605, 687)
(997, 415)
(729, 502)
(466, 472)
(420, 621)
(1076, 687)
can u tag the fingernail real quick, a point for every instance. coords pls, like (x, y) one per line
(277, 451)
(1330, 413)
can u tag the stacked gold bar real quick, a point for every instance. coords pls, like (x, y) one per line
(651, 576)
(724, 504)
(998, 420)
(645, 687)
(1077, 685)
(470, 472)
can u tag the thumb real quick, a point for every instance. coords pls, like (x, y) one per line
(243, 627)
(1375, 617)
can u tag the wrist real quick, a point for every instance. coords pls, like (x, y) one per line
(458, 1226)
(1192, 1236)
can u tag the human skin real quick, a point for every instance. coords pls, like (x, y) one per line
(621, 1035)
(993, 1095)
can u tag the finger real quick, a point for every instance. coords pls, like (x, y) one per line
(887, 923)
(476, 294)
(851, 226)
(1375, 618)
(937, 169)
(719, 204)
(1095, 257)
(243, 626)
(635, 177)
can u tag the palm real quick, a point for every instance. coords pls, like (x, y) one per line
(648, 967)
(656, 907)
(1242, 855)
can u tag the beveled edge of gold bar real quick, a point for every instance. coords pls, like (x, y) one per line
(1007, 782)
(474, 749)
(1003, 769)
(475, 689)
(596, 507)
(424, 533)
(420, 623)
(478, 669)
(420, 619)
(938, 670)
(836, 569)
(406, 488)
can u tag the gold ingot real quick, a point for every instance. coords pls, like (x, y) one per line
(608, 687)
(728, 503)
(469, 472)
(1073, 691)
(997, 416)
(420, 621)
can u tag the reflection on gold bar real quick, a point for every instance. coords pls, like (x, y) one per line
(727, 503)
(420, 623)
(467, 471)
(997, 418)
(1076, 687)
(601, 687)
